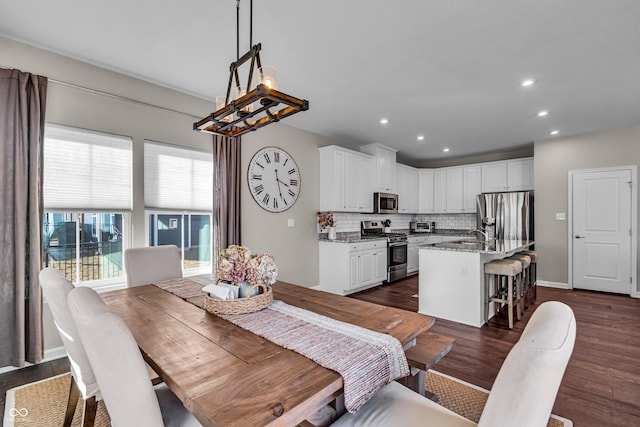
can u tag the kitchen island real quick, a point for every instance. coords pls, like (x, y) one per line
(452, 277)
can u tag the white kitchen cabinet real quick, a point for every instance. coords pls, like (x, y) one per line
(365, 183)
(520, 174)
(412, 253)
(413, 242)
(407, 182)
(351, 190)
(472, 186)
(346, 178)
(440, 190)
(426, 190)
(351, 267)
(454, 190)
(385, 167)
(507, 175)
(448, 190)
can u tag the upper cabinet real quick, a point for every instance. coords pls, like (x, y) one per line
(346, 179)
(448, 190)
(520, 174)
(472, 186)
(508, 175)
(385, 167)
(425, 191)
(407, 184)
(349, 178)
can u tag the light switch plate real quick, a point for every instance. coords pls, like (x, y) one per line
(291, 222)
(560, 216)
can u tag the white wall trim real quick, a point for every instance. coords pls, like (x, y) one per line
(557, 285)
(633, 286)
(54, 353)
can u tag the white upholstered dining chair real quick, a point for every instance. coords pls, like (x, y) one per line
(152, 264)
(119, 368)
(522, 395)
(55, 288)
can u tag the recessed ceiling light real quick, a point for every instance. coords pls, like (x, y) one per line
(446, 150)
(420, 137)
(527, 82)
(554, 132)
(384, 121)
(542, 113)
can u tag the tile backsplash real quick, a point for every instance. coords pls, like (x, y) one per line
(349, 222)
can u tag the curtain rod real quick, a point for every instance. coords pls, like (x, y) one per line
(113, 96)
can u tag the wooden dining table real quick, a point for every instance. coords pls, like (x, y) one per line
(227, 376)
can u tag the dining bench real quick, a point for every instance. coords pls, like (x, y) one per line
(427, 351)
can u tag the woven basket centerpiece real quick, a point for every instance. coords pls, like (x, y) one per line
(244, 305)
(237, 265)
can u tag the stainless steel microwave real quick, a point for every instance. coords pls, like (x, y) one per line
(385, 203)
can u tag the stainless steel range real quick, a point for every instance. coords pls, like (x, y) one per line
(396, 248)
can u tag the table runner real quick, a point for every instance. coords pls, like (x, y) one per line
(366, 360)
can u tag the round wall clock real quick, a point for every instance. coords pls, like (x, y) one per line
(274, 179)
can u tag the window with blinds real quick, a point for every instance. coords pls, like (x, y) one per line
(177, 178)
(86, 170)
(178, 195)
(87, 200)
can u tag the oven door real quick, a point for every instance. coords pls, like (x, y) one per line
(396, 261)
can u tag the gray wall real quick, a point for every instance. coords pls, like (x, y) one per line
(553, 159)
(295, 248)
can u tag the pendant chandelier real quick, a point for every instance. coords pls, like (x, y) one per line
(252, 108)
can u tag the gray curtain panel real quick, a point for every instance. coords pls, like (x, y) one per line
(22, 110)
(226, 194)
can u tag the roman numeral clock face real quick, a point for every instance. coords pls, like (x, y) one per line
(274, 179)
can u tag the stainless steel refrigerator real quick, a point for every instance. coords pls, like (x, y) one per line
(507, 216)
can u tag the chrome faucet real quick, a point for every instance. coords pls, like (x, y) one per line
(485, 235)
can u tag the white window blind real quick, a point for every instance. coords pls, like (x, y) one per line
(177, 178)
(86, 170)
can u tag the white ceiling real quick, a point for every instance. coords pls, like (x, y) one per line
(447, 69)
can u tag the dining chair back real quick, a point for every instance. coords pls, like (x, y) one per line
(56, 288)
(528, 381)
(119, 368)
(522, 394)
(152, 264)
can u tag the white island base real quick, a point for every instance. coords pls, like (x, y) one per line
(451, 284)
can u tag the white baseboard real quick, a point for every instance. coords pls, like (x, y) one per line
(54, 353)
(49, 355)
(553, 284)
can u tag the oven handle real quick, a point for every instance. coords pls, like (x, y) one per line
(396, 244)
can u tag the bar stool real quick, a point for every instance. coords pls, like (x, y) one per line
(502, 269)
(533, 289)
(523, 278)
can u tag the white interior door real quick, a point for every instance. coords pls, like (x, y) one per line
(601, 238)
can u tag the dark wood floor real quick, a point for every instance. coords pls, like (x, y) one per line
(601, 386)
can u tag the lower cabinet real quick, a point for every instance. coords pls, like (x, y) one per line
(413, 252)
(350, 267)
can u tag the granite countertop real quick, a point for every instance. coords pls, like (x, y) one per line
(349, 237)
(355, 237)
(438, 232)
(491, 247)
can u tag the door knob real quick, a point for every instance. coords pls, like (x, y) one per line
(580, 237)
